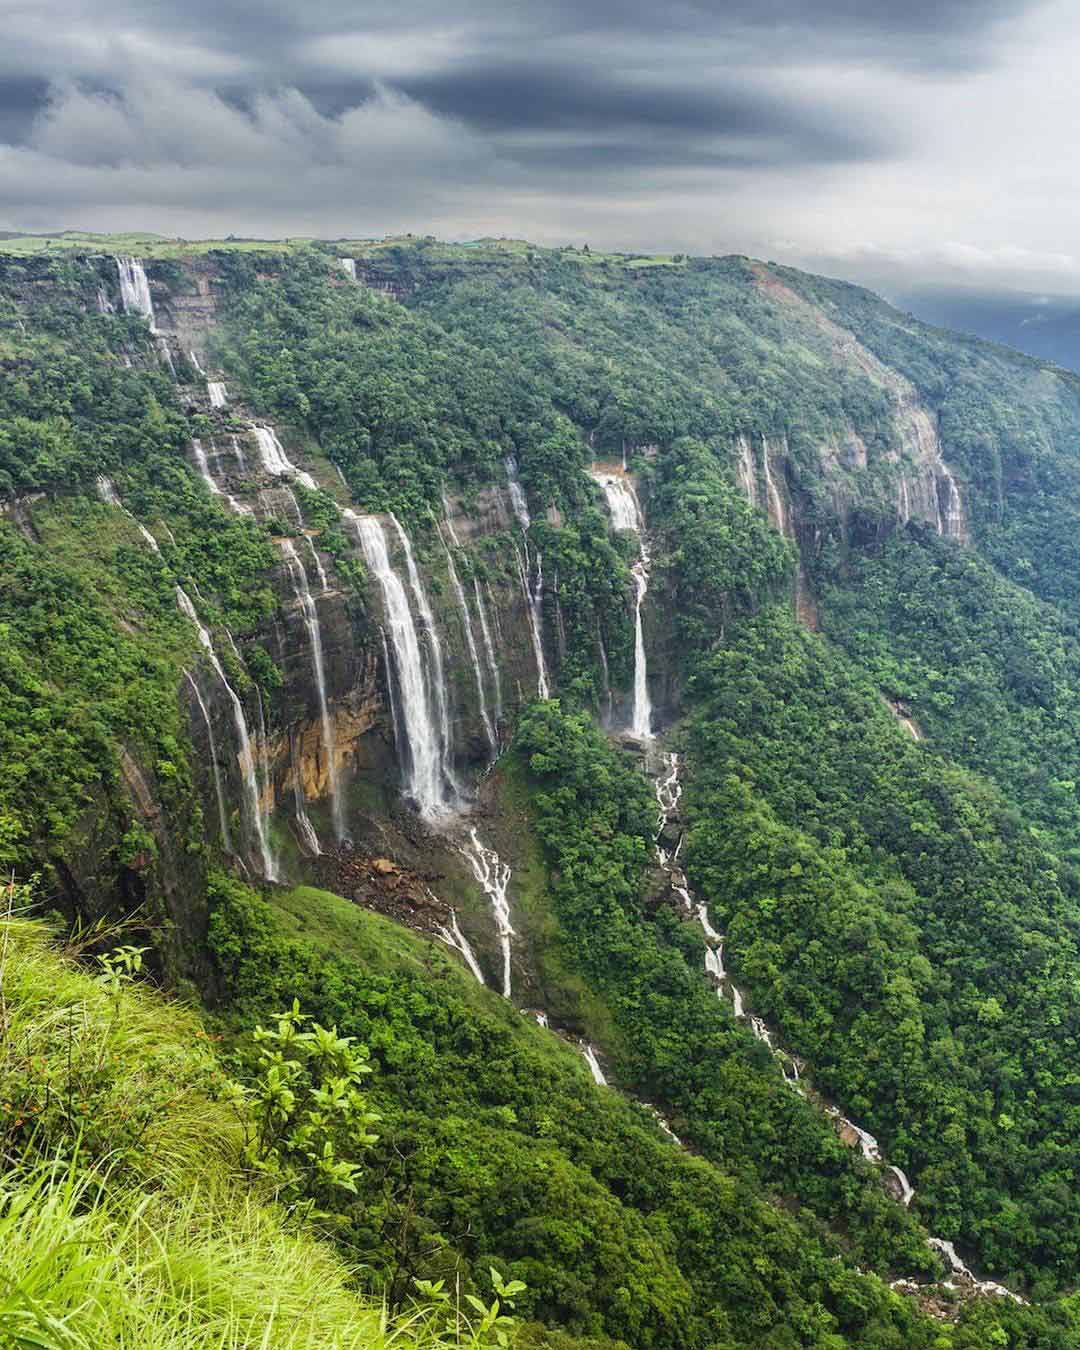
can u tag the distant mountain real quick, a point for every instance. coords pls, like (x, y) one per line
(1041, 325)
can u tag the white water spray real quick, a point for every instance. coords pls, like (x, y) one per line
(494, 878)
(246, 755)
(626, 515)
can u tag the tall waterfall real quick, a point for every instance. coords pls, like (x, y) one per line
(310, 612)
(489, 652)
(951, 524)
(534, 609)
(437, 680)
(348, 266)
(246, 757)
(474, 656)
(494, 878)
(203, 465)
(517, 493)
(626, 515)
(274, 459)
(218, 394)
(219, 792)
(134, 288)
(320, 570)
(776, 502)
(427, 782)
(747, 474)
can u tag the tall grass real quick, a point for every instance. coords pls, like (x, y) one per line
(125, 1219)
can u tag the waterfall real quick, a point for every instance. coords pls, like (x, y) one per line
(489, 653)
(426, 783)
(217, 392)
(905, 500)
(454, 937)
(241, 459)
(106, 491)
(474, 656)
(320, 570)
(203, 465)
(626, 515)
(246, 756)
(272, 500)
(310, 612)
(747, 474)
(517, 493)
(437, 682)
(594, 1067)
(907, 1190)
(274, 459)
(348, 267)
(776, 504)
(494, 878)
(194, 356)
(534, 609)
(135, 289)
(388, 672)
(952, 524)
(219, 791)
(450, 522)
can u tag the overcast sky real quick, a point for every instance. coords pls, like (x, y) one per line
(886, 140)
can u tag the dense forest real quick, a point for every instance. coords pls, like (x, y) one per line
(331, 574)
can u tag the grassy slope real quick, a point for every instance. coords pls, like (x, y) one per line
(176, 1250)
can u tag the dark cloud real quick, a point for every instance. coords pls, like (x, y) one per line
(22, 98)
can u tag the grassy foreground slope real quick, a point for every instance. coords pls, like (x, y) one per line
(126, 1219)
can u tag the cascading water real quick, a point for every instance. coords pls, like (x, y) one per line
(776, 502)
(437, 680)
(348, 266)
(426, 782)
(494, 878)
(281, 502)
(310, 612)
(203, 465)
(388, 672)
(951, 524)
(320, 570)
(246, 757)
(274, 459)
(194, 357)
(215, 767)
(454, 937)
(241, 458)
(218, 394)
(474, 655)
(594, 1066)
(489, 653)
(534, 610)
(135, 289)
(747, 474)
(626, 515)
(517, 493)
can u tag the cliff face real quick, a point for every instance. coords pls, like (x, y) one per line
(301, 762)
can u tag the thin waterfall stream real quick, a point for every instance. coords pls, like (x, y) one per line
(246, 757)
(626, 515)
(668, 792)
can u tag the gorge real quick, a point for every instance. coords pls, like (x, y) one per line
(437, 635)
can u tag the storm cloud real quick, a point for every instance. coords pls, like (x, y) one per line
(858, 135)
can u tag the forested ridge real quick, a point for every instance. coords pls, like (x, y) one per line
(861, 634)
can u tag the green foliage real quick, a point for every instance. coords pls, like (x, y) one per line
(306, 1122)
